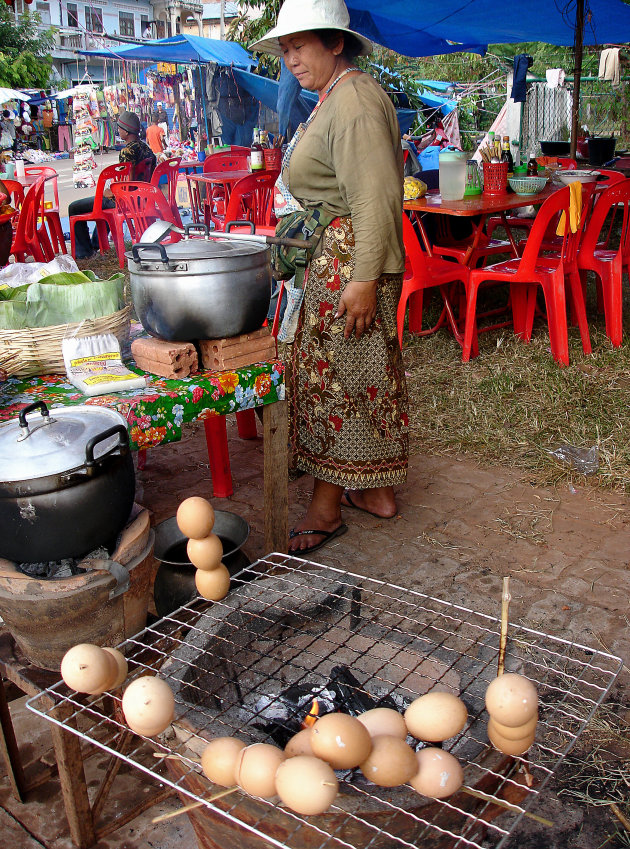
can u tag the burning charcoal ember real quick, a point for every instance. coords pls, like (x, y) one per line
(65, 568)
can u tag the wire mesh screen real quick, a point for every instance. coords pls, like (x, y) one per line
(603, 111)
(249, 665)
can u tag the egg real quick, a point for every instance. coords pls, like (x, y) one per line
(518, 733)
(218, 760)
(384, 721)
(511, 699)
(507, 746)
(148, 705)
(108, 683)
(439, 773)
(255, 770)
(86, 668)
(213, 585)
(390, 763)
(195, 517)
(205, 553)
(306, 784)
(121, 667)
(436, 716)
(299, 744)
(340, 740)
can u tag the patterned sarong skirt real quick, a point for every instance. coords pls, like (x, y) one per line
(348, 405)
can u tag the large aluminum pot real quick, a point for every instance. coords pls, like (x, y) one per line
(67, 482)
(200, 288)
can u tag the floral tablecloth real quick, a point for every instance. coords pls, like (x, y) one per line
(156, 413)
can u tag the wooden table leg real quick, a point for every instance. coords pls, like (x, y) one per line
(276, 476)
(9, 748)
(73, 784)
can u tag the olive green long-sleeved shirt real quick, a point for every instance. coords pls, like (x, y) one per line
(350, 162)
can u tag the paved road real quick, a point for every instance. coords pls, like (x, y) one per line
(67, 191)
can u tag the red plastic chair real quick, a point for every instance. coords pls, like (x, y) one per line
(608, 262)
(251, 199)
(51, 208)
(105, 217)
(141, 204)
(169, 169)
(30, 236)
(528, 272)
(217, 196)
(424, 272)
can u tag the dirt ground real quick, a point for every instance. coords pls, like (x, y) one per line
(460, 529)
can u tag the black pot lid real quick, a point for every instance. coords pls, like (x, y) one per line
(214, 248)
(56, 447)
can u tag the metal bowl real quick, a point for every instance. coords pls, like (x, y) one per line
(230, 527)
(568, 177)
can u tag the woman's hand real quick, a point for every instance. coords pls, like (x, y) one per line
(358, 303)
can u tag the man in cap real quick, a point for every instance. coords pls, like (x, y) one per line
(142, 161)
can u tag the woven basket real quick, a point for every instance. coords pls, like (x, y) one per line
(39, 348)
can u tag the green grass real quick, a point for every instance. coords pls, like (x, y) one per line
(513, 403)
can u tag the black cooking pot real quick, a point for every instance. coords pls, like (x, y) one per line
(67, 482)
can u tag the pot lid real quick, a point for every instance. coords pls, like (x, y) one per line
(54, 443)
(197, 249)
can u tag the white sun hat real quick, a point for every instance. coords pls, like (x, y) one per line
(301, 16)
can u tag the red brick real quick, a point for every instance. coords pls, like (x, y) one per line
(238, 351)
(166, 359)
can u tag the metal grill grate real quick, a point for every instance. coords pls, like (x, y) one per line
(292, 624)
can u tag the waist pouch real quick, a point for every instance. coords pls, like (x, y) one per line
(307, 224)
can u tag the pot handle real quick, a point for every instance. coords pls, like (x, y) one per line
(25, 431)
(123, 445)
(36, 405)
(196, 227)
(135, 252)
(230, 224)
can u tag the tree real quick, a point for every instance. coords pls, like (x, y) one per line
(25, 60)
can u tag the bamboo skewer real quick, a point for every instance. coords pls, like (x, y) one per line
(505, 606)
(193, 805)
(503, 804)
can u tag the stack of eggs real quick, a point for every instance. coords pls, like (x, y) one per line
(195, 519)
(512, 702)
(91, 669)
(303, 775)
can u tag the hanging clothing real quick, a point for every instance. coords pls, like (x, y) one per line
(609, 65)
(519, 89)
(555, 77)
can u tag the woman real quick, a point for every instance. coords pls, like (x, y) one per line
(347, 392)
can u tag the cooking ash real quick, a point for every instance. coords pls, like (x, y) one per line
(66, 568)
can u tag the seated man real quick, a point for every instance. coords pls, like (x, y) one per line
(143, 164)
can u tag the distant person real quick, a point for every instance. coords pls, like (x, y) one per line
(7, 131)
(156, 138)
(162, 117)
(142, 159)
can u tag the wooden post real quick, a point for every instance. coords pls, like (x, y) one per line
(276, 477)
(577, 74)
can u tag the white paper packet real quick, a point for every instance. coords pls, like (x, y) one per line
(94, 365)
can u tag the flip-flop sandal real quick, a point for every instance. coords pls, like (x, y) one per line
(350, 503)
(328, 537)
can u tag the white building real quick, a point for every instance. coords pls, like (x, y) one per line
(211, 19)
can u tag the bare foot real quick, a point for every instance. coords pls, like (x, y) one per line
(377, 502)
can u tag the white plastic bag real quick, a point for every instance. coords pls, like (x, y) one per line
(94, 365)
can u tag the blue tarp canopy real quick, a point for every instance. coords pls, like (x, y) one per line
(181, 49)
(267, 91)
(431, 27)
